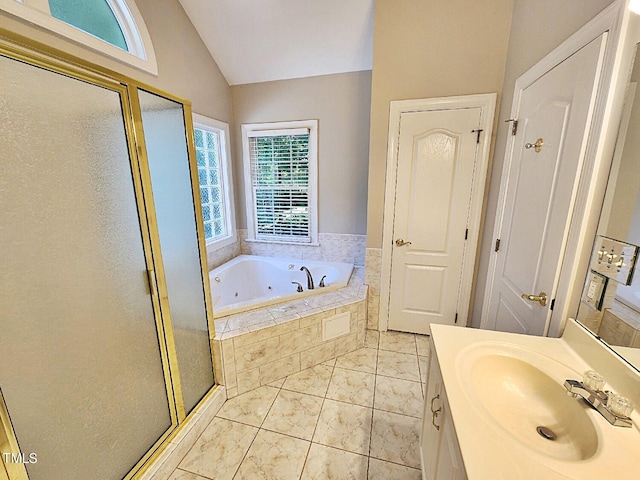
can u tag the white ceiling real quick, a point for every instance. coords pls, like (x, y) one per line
(263, 40)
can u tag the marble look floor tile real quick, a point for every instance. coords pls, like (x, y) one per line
(352, 386)
(219, 450)
(398, 396)
(398, 365)
(398, 342)
(294, 414)
(381, 470)
(273, 456)
(423, 362)
(250, 407)
(395, 438)
(330, 363)
(344, 426)
(277, 383)
(184, 475)
(371, 338)
(363, 360)
(422, 343)
(313, 381)
(329, 463)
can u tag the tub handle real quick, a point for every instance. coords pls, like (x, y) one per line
(322, 281)
(300, 289)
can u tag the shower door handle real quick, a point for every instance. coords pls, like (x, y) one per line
(152, 284)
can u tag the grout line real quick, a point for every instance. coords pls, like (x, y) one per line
(256, 435)
(375, 384)
(313, 434)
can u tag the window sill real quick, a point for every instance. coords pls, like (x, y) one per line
(304, 244)
(214, 245)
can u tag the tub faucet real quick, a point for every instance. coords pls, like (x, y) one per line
(309, 277)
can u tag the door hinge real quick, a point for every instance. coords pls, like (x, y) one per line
(456, 319)
(514, 125)
(466, 234)
(553, 303)
(478, 131)
(497, 244)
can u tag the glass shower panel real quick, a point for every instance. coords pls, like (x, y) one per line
(165, 137)
(80, 362)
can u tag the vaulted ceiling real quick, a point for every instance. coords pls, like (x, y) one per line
(263, 40)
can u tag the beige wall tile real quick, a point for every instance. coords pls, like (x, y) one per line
(279, 368)
(317, 355)
(248, 380)
(261, 352)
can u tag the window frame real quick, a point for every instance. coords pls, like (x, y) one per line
(202, 122)
(141, 54)
(226, 178)
(250, 129)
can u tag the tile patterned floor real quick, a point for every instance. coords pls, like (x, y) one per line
(356, 417)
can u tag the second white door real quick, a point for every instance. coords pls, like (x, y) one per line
(539, 186)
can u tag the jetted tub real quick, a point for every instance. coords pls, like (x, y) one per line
(250, 281)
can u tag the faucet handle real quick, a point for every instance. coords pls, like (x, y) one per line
(593, 380)
(619, 405)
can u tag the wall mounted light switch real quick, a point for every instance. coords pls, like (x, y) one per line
(614, 259)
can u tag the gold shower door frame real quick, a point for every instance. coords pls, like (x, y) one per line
(33, 53)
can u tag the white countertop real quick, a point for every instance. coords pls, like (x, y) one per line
(491, 452)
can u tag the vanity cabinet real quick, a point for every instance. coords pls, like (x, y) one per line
(439, 450)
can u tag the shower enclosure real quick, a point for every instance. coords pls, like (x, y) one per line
(105, 311)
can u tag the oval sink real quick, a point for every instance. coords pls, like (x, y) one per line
(521, 398)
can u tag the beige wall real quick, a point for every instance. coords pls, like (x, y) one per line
(536, 29)
(429, 49)
(341, 104)
(185, 66)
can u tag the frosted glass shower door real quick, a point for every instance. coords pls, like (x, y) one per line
(81, 366)
(163, 123)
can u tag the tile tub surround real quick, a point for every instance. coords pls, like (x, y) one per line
(257, 347)
(319, 424)
(333, 247)
(220, 256)
(373, 271)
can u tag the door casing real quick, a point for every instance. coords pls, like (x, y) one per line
(487, 103)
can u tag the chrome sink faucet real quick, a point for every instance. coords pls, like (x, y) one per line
(613, 407)
(309, 277)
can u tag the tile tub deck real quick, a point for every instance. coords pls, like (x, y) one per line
(258, 347)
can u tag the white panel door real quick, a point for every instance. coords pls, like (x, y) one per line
(541, 183)
(437, 152)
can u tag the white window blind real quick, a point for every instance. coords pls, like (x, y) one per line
(280, 172)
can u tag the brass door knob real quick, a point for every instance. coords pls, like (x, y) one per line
(541, 298)
(400, 243)
(536, 146)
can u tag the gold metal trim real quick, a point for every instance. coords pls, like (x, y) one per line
(9, 444)
(202, 244)
(156, 251)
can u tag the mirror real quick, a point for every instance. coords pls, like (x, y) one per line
(608, 308)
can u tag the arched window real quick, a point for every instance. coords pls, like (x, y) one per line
(112, 27)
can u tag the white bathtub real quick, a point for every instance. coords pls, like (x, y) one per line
(250, 281)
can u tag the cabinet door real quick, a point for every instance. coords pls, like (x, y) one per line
(449, 464)
(439, 451)
(430, 436)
